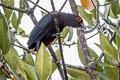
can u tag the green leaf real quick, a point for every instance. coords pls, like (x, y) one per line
(103, 76)
(4, 35)
(27, 70)
(93, 13)
(43, 63)
(31, 72)
(64, 33)
(117, 38)
(107, 48)
(11, 59)
(70, 78)
(14, 21)
(17, 65)
(3, 78)
(17, 76)
(58, 54)
(4, 74)
(114, 9)
(21, 6)
(53, 67)
(80, 51)
(106, 65)
(85, 15)
(7, 11)
(43, 13)
(29, 59)
(78, 74)
(116, 30)
(110, 71)
(93, 54)
(21, 32)
(70, 34)
(109, 0)
(59, 59)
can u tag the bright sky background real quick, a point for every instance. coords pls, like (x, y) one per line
(70, 54)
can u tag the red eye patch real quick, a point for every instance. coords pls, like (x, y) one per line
(79, 19)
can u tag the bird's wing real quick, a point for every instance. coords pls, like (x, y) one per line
(41, 29)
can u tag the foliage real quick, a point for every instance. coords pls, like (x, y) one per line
(42, 67)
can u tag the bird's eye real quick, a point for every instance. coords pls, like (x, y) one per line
(78, 19)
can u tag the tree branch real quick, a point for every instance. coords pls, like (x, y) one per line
(76, 67)
(59, 40)
(39, 6)
(63, 5)
(92, 36)
(93, 4)
(97, 16)
(36, 5)
(58, 65)
(13, 8)
(30, 14)
(90, 66)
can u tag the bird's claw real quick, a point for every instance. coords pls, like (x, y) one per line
(56, 34)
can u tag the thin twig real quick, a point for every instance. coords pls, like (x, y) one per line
(7, 70)
(13, 8)
(97, 17)
(76, 67)
(59, 40)
(91, 30)
(30, 14)
(102, 54)
(39, 6)
(92, 35)
(20, 43)
(93, 4)
(36, 5)
(21, 47)
(109, 3)
(68, 44)
(97, 12)
(113, 37)
(63, 5)
(58, 65)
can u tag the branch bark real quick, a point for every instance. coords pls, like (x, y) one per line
(59, 40)
(90, 66)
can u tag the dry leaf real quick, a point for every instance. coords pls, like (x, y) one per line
(87, 4)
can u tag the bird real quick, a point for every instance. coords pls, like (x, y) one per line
(45, 29)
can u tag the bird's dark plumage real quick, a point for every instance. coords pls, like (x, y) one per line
(45, 28)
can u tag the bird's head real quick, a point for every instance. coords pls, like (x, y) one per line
(72, 20)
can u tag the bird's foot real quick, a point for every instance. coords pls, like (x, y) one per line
(56, 34)
(32, 50)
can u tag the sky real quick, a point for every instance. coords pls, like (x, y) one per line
(70, 54)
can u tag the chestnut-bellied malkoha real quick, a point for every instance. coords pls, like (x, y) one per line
(44, 30)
